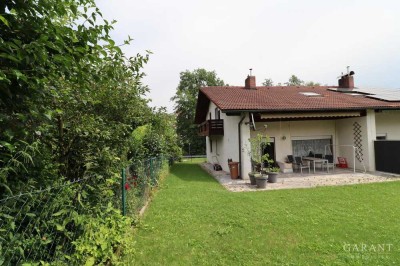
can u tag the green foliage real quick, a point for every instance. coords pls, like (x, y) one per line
(268, 82)
(67, 87)
(35, 225)
(294, 81)
(142, 180)
(255, 151)
(273, 169)
(156, 138)
(69, 102)
(312, 83)
(106, 235)
(185, 107)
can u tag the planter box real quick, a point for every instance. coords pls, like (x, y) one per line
(285, 167)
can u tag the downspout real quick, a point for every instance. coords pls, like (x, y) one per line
(240, 145)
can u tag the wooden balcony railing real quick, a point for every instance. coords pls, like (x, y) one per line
(214, 127)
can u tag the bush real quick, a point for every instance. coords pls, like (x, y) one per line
(106, 237)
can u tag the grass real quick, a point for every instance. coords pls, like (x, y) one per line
(195, 221)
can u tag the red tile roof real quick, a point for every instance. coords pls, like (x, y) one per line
(284, 98)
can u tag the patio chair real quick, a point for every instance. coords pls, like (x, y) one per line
(328, 164)
(290, 159)
(302, 165)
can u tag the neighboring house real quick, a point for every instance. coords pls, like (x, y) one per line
(340, 120)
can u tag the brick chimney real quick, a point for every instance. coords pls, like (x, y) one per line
(250, 83)
(347, 81)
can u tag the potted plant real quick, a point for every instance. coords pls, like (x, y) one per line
(257, 159)
(273, 173)
(261, 180)
(252, 177)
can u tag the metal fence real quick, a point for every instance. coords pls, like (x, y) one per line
(138, 180)
(34, 228)
(40, 227)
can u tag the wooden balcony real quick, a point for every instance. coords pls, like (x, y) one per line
(214, 127)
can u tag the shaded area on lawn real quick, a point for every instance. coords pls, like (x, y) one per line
(194, 220)
(188, 168)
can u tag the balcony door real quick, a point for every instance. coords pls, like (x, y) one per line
(270, 149)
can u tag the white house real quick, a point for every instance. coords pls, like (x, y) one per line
(341, 120)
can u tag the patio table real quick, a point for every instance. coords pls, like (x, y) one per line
(316, 160)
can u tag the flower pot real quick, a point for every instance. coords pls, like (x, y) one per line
(262, 181)
(272, 177)
(252, 178)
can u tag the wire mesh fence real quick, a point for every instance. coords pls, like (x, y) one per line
(138, 179)
(44, 226)
(33, 227)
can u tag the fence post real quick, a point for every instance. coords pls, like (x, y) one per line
(123, 190)
(151, 170)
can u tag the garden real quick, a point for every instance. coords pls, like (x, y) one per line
(193, 220)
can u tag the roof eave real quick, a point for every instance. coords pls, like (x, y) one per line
(307, 109)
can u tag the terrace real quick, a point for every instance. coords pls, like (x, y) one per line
(337, 177)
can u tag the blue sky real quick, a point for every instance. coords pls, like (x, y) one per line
(314, 40)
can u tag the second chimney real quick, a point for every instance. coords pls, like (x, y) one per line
(250, 83)
(347, 81)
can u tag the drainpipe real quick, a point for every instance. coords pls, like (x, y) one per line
(240, 145)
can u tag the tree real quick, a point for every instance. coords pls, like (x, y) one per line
(312, 83)
(158, 137)
(185, 107)
(294, 81)
(268, 82)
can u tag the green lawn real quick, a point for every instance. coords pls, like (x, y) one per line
(194, 221)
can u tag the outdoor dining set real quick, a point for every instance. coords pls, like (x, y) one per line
(314, 160)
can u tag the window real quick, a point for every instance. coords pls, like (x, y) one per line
(311, 94)
(210, 145)
(302, 146)
(217, 114)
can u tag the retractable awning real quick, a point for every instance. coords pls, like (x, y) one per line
(309, 115)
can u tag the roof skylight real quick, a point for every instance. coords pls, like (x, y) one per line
(355, 94)
(311, 94)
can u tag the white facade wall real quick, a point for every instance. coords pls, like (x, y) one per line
(345, 136)
(284, 132)
(245, 136)
(388, 123)
(227, 146)
(341, 130)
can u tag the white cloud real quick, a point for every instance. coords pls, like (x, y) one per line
(313, 39)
